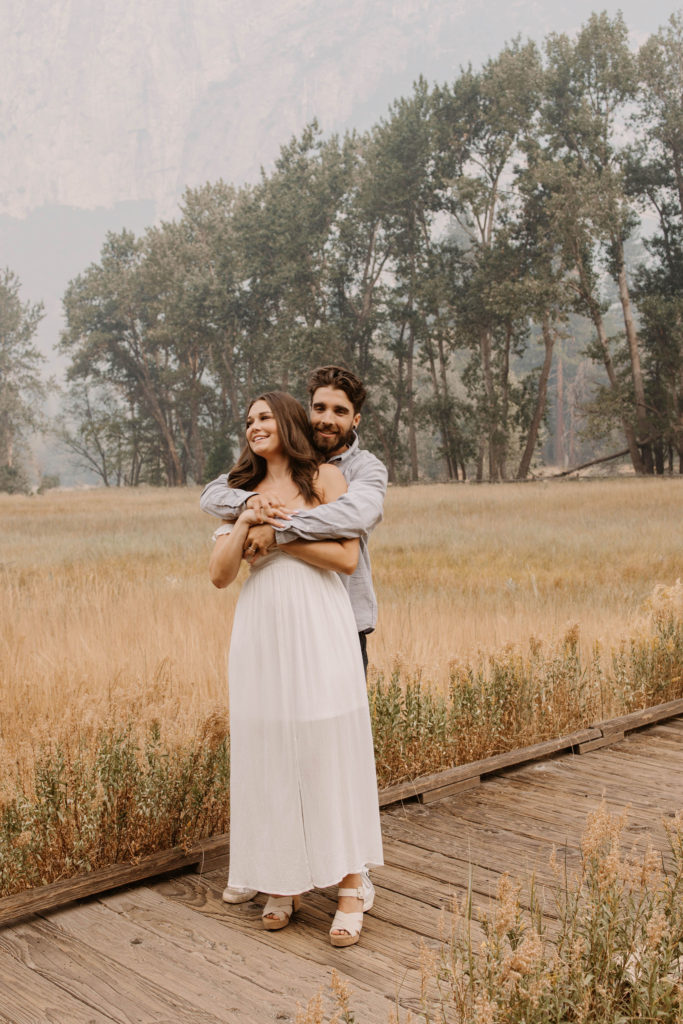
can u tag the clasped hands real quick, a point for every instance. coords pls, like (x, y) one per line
(263, 513)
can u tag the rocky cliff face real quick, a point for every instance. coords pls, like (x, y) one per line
(131, 100)
(134, 99)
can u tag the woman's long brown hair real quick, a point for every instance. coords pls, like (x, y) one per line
(297, 444)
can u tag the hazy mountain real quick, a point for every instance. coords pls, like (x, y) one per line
(134, 99)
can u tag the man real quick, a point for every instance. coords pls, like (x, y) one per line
(336, 397)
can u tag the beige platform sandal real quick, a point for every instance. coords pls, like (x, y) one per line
(278, 911)
(237, 894)
(352, 924)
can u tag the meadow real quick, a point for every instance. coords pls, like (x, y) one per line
(507, 614)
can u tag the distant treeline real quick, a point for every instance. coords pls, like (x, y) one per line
(443, 255)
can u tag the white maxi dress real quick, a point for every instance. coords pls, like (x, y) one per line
(303, 790)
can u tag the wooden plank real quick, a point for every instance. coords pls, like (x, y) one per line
(440, 893)
(384, 957)
(484, 846)
(93, 978)
(658, 744)
(638, 719)
(56, 894)
(513, 819)
(655, 750)
(603, 741)
(673, 729)
(589, 775)
(667, 767)
(629, 771)
(489, 840)
(455, 787)
(536, 806)
(205, 961)
(27, 998)
(486, 766)
(589, 789)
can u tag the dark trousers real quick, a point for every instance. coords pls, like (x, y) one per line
(363, 637)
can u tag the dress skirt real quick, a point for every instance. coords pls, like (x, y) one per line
(303, 790)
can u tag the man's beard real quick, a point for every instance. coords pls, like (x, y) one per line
(329, 445)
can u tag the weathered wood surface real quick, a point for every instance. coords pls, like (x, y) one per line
(172, 951)
(205, 856)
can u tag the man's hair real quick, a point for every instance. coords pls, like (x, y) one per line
(340, 378)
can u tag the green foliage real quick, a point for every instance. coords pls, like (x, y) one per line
(22, 388)
(219, 460)
(48, 481)
(13, 480)
(96, 804)
(518, 698)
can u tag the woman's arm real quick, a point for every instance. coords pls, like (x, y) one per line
(227, 553)
(338, 555)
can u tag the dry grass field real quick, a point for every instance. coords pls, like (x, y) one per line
(509, 615)
(108, 614)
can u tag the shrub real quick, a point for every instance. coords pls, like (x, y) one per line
(13, 480)
(88, 807)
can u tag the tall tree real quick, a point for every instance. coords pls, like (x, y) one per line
(482, 122)
(591, 81)
(655, 178)
(22, 388)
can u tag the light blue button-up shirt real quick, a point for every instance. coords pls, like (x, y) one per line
(353, 515)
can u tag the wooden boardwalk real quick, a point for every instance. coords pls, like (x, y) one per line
(171, 951)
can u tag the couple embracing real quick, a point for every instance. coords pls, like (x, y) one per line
(299, 506)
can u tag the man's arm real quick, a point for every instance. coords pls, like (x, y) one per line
(223, 501)
(353, 514)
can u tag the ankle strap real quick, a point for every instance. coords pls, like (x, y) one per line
(356, 893)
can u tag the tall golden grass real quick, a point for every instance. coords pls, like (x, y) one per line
(108, 614)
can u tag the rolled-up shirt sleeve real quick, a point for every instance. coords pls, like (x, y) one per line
(354, 514)
(223, 501)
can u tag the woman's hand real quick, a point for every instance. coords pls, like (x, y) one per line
(260, 540)
(269, 509)
(250, 517)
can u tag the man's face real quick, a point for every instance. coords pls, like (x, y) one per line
(332, 419)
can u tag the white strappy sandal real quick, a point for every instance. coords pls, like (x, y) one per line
(351, 924)
(278, 911)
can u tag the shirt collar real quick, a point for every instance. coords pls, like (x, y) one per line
(345, 456)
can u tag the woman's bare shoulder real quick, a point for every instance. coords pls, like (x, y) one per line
(330, 481)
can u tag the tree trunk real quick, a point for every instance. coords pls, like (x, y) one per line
(502, 438)
(560, 453)
(480, 462)
(596, 317)
(532, 437)
(636, 368)
(412, 434)
(387, 449)
(487, 376)
(441, 415)
(450, 431)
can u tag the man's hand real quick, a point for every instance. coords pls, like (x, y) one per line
(258, 542)
(268, 508)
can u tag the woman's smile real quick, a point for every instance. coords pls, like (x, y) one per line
(262, 429)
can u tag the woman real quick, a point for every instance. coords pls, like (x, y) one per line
(303, 792)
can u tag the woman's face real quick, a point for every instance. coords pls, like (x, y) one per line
(262, 434)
